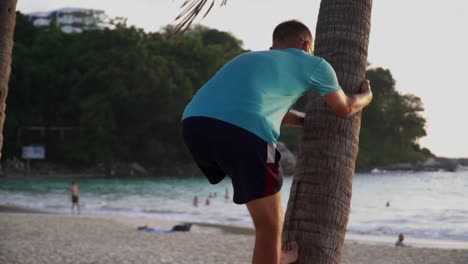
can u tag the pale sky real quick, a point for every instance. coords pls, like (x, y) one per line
(424, 43)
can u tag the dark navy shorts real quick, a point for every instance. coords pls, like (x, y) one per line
(220, 148)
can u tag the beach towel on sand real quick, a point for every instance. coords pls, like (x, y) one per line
(182, 227)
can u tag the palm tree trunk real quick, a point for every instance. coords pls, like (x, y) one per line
(320, 197)
(7, 26)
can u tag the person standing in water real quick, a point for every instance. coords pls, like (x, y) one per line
(74, 197)
(399, 242)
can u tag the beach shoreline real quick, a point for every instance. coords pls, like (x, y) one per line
(383, 240)
(32, 236)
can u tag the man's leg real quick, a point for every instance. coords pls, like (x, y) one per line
(267, 217)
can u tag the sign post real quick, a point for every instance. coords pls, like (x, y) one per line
(32, 152)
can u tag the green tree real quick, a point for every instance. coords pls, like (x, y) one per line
(121, 91)
(392, 124)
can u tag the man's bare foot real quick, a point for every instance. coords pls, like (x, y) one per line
(289, 253)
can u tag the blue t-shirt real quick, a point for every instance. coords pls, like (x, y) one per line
(256, 89)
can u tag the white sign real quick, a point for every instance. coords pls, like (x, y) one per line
(33, 152)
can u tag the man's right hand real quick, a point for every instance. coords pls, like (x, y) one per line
(344, 105)
(366, 89)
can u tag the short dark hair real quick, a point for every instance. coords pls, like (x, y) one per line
(291, 30)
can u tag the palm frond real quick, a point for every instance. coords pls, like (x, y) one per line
(190, 10)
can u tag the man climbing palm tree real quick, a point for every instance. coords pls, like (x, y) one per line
(232, 124)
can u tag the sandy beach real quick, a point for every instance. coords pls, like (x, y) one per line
(34, 237)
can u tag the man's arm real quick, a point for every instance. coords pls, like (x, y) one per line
(341, 104)
(344, 105)
(293, 118)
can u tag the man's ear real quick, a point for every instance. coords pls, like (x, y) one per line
(305, 45)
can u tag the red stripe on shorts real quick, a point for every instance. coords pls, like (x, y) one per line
(270, 180)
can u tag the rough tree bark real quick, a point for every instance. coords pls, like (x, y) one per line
(320, 197)
(7, 26)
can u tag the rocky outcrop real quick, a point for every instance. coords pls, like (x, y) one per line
(430, 164)
(288, 160)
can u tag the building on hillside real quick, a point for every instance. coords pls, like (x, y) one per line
(71, 20)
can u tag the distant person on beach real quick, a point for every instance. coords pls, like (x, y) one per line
(195, 201)
(74, 197)
(207, 203)
(226, 194)
(399, 242)
(232, 125)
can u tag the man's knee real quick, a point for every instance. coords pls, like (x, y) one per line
(266, 213)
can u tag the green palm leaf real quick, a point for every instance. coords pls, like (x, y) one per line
(190, 10)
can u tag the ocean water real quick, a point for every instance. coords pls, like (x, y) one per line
(424, 205)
